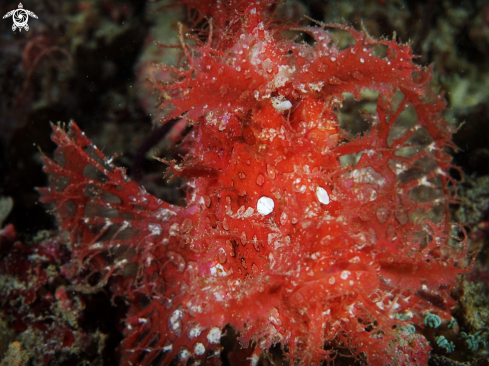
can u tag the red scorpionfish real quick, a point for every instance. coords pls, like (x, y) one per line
(294, 232)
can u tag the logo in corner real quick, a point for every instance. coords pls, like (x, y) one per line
(20, 17)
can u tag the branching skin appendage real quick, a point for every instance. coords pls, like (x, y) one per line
(293, 231)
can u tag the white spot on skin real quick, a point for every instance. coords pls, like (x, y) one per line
(177, 259)
(214, 335)
(281, 105)
(196, 308)
(283, 218)
(175, 319)
(344, 275)
(271, 237)
(253, 359)
(194, 331)
(94, 246)
(272, 260)
(322, 195)
(155, 229)
(265, 205)
(219, 296)
(316, 86)
(331, 280)
(164, 214)
(184, 354)
(218, 270)
(174, 229)
(249, 211)
(275, 321)
(199, 349)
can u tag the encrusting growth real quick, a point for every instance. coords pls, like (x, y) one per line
(294, 232)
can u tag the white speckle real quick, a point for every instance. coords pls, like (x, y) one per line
(195, 308)
(272, 260)
(253, 359)
(219, 296)
(265, 205)
(155, 229)
(275, 321)
(281, 105)
(194, 331)
(362, 60)
(184, 354)
(271, 237)
(331, 280)
(283, 218)
(218, 270)
(199, 349)
(322, 195)
(241, 213)
(333, 59)
(316, 86)
(94, 246)
(355, 260)
(177, 259)
(344, 275)
(214, 335)
(174, 229)
(175, 320)
(168, 348)
(142, 320)
(373, 195)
